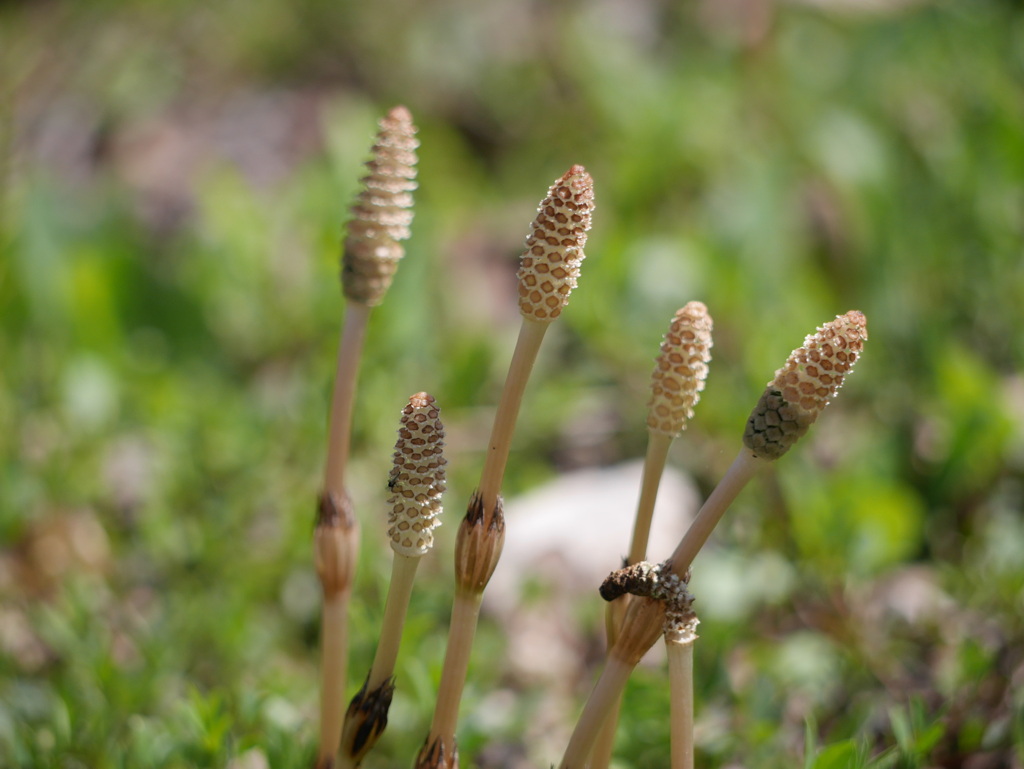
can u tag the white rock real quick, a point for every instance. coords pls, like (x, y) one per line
(575, 530)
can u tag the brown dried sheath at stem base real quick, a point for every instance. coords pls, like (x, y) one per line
(436, 754)
(547, 275)
(478, 547)
(812, 374)
(417, 482)
(381, 217)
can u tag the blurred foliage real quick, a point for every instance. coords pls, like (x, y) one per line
(174, 183)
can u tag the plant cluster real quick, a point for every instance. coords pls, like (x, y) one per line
(646, 601)
(170, 177)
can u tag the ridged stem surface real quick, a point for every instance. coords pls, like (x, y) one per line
(462, 631)
(334, 657)
(403, 574)
(642, 625)
(741, 471)
(340, 427)
(531, 334)
(636, 634)
(604, 745)
(606, 693)
(680, 676)
(658, 445)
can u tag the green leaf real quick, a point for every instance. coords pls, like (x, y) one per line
(841, 755)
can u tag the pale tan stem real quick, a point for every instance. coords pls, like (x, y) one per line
(367, 714)
(334, 654)
(465, 612)
(680, 676)
(658, 445)
(631, 644)
(340, 430)
(403, 573)
(604, 745)
(531, 334)
(741, 471)
(604, 696)
(643, 624)
(601, 756)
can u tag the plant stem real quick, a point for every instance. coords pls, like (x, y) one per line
(741, 471)
(640, 627)
(680, 676)
(340, 430)
(367, 713)
(465, 613)
(403, 572)
(604, 744)
(341, 547)
(479, 543)
(658, 445)
(531, 334)
(605, 695)
(601, 756)
(643, 624)
(334, 654)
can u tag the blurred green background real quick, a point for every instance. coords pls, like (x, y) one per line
(174, 185)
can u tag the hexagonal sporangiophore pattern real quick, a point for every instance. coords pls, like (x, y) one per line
(550, 266)
(680, 370)
(803, 387)
(417, 478)
(382, 213)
